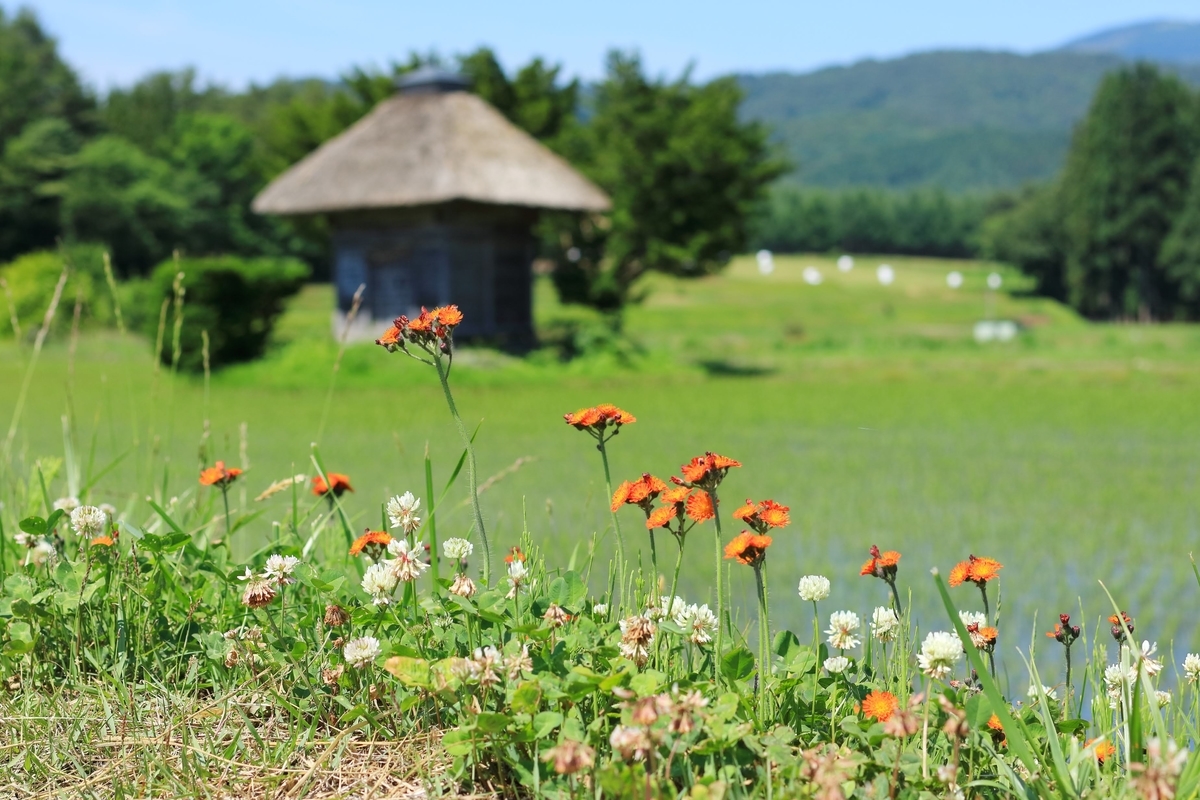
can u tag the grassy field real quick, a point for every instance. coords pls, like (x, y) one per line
(1070, 454)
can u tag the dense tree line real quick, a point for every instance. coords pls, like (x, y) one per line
(918, 222)
(1117, 235)
(167, 164)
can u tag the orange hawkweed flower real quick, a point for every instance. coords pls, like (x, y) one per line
(661, 517)
(747, 511)
(614, 415)
(514, 554)
(597, 419)
(706, 471)
(377, 538)
(423, 323)
(219, 475)
(993, 723)
(748, 548)
(1104, 749)
(640, 492)
(391, 338)
(763, 516)
(976, 570)
(447, 316)
(102, 541)
(700, 507)
(340, 485)
(881, 565)
(880, 706)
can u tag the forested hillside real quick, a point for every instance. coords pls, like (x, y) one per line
(959, 120)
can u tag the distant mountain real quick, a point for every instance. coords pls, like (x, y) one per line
(961, 120)
(1167, 41)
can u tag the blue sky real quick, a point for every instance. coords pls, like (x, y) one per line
(117, 41)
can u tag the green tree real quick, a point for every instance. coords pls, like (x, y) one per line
(1027, 232)
(32, 167)
(34, 82)
(1180, 257)
(684, 173)
(139, 205)
(1126, 176)
(44, 115)
(532, 99)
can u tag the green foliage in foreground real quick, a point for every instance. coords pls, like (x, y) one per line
(558, 677)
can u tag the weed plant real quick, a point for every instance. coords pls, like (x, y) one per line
(140, 657)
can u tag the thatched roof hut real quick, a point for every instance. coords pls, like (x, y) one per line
(431, 198)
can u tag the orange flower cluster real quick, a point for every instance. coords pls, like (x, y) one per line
(371, 541)
(597, 419)
(705, 472)
(219, 475)
(514, 554)
(880, 706)
(103, 541)
(983, 636)
(748, 548)
(1119, 624)
(881, 565)
(679, 501)
(430, 327)
(976, 570)
(1104, 749)
(641, 492)
(340, 485)
(1064, 632)
(763, 516)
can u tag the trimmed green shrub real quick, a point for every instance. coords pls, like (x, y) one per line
(31, 279)
(236, 300)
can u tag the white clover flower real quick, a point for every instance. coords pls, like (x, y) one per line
(1035, 692)
(110, 510)
(1152, 665)
(843, 627)
(402, 511)
(88, 521)
(517, 575)
(25, 539)
(457, 549)
(699, 623)
(813, 588)
(1162, 698)
(836, 664)
(41, 553)
(280, 568)
(379, 581)
(1116, 680)
(885, 624)
(406, 563)
(1191, 667)
(970, 618)
(668, 608)
(67, 504)
(939, 653)
(361, 651)
(600, 610)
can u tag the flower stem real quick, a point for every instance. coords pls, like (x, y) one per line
(895, 597)
(616, 525)
(717, 559)
(764, 639)
(228, 527)
(678, 564)
(472, 477)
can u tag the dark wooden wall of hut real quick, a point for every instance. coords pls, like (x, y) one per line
(476, 256)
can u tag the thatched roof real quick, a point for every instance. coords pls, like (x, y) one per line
(425, 147)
